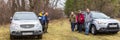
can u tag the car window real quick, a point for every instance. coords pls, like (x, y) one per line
(25, 16)
(100, 16)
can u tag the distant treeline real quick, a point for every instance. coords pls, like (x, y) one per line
(7, 9)
(109, 7)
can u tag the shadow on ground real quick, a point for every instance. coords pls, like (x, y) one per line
(25, 38)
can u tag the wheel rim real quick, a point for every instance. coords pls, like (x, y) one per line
(93, 30)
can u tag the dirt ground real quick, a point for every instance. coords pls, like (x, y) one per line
(60, 30)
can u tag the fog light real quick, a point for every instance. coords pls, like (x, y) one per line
(13, 32)
(39, 31)
(35, 31)
(16, 32)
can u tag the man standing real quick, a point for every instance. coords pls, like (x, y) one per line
(47, 21)
(72, 20)
(88, 20)
(43, 21)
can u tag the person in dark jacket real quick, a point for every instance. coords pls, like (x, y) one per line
(47, 22)
(43, 20)
(40, 16)
(80, 21)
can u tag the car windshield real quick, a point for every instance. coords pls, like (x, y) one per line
(25, 16)
(99, 16)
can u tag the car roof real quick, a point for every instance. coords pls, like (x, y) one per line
(92, 12)
(23, 12)
(95, 12)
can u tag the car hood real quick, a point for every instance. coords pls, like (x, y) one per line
(25, 21)
(107, 20)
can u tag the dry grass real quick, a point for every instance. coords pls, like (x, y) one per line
(60, 30)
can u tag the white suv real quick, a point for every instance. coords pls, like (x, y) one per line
(25, 24)
(103, 23)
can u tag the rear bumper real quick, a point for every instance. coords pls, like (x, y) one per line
(24, 33)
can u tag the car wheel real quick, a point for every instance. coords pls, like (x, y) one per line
(115, 32)
(39, 37)
(93, 30)
(12, 37)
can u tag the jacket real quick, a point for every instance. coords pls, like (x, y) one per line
(80, 18)
(73, 18)
(88, 17)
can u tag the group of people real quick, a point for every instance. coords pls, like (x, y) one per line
(78, 18)
(43, 17)
(81, 20)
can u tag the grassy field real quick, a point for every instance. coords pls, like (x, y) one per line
(60, 30)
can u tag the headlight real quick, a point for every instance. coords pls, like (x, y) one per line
(99, 22)
(119, 24)
(38, 25)
(14, 25)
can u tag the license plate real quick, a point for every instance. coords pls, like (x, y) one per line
(28, 33)
(113, 26)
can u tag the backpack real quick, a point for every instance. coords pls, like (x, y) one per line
(81, 18)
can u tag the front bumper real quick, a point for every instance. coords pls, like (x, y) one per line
(26, 33)
(108, 30)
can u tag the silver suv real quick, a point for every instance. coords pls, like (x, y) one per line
(25, 24)
(103, 23)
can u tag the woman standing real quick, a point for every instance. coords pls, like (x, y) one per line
(72, 20)
(80, 21)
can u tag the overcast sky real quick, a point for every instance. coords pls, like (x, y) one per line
(61, 3)
(5, 1)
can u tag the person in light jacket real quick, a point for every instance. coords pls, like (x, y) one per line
(88, 20)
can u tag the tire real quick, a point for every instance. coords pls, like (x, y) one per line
(114, 32)
(12, 37)
(93, 30)
(39, 36)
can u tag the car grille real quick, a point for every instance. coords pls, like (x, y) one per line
(113, 27)
(27, 31)
(27, 25)
(113, 23)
